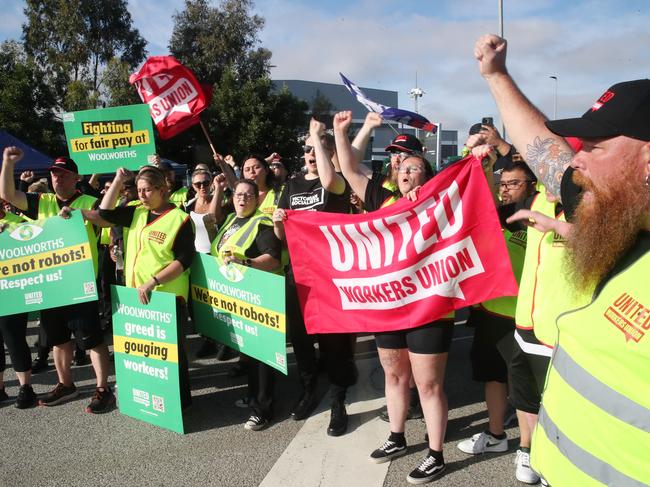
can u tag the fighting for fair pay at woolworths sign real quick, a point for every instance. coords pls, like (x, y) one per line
(102, 140)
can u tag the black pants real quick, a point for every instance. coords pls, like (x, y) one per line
(183, 366)
(13, 329)
(261, 382)
(336, 348)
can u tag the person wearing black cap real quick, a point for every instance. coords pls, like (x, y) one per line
(82, 319)
(595, 415)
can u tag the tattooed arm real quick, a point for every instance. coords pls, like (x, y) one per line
(547, 154)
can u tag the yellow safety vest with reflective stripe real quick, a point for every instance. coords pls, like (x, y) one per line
(527, 283)
(267, 207)
(48, 207)
(179, 197)
(516, 245)
(149, 249)
(594, 424)
(242, 238)
(270, 202)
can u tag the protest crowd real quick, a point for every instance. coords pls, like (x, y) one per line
(565, 347)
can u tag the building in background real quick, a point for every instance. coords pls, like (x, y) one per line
(328, 98)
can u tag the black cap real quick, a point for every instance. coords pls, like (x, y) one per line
(64, 164)
(405, 143)
(624, 109)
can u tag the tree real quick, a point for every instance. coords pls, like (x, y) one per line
(220, 44)
(210, 39)
(73, 40)
(27, 100)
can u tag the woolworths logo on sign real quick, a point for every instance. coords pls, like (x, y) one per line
(25, 232)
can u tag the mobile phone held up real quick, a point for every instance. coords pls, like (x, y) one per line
(487, 121)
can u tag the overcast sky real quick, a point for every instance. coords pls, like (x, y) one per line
(587, 44)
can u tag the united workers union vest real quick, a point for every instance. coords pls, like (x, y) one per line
(594, 423)
(270, 202)
(48, 207)
(149, 249)
(243, 237)
(179, 197)
(544, 292)
(516, 245)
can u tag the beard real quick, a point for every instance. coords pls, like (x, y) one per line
(605, 227)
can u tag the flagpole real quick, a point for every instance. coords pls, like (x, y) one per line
(207, 136)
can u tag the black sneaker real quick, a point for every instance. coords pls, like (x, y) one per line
(338, 419)
(102, 401)
(388, 451)
(256, 423)
(26, 397)
(59, 395)
(414, 412)
(305, 406)
(428, 470)
(40, 365)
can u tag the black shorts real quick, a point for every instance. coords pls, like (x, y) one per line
(428, 339)
(82, 319)
(527, 373)
(492, 345)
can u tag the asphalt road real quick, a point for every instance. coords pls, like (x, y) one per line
(64, 445)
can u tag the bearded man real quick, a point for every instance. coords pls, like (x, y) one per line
(594, 423)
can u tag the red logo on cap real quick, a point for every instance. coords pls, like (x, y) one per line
(400, 138)
(605, 97)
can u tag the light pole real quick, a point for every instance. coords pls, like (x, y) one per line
(554, 98)
(416, 93)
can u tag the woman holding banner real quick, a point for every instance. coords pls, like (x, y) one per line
(419, 352)
(246, 238)
(13, 330)
(159, 247)
(257, 169)
(321, 188)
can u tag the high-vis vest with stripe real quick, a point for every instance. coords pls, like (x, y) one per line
(523, 317)
(149, 249)
(48, 207)
(270, 202)
(594, 424)
(242, 238)
(516, 245)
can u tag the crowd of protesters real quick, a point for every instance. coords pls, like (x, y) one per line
(573, 199)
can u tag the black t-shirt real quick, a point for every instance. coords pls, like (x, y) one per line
(265, 242)
(309, 194)
(376, 194)
(183, 247)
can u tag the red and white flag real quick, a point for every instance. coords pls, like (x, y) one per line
(174, 95)
(404, 265)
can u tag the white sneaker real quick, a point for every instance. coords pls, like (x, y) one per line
(483, 443)
(523, 472)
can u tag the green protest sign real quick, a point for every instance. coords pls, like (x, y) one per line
(146, 357)
(45, 264)
(240, 307)
(102, 140)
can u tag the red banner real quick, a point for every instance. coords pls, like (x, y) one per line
(404, 265)
(174, 95)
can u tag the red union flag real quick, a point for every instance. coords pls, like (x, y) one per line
(404, 265)
(174, 95)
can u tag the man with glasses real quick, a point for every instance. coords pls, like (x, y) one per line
(517, 183)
